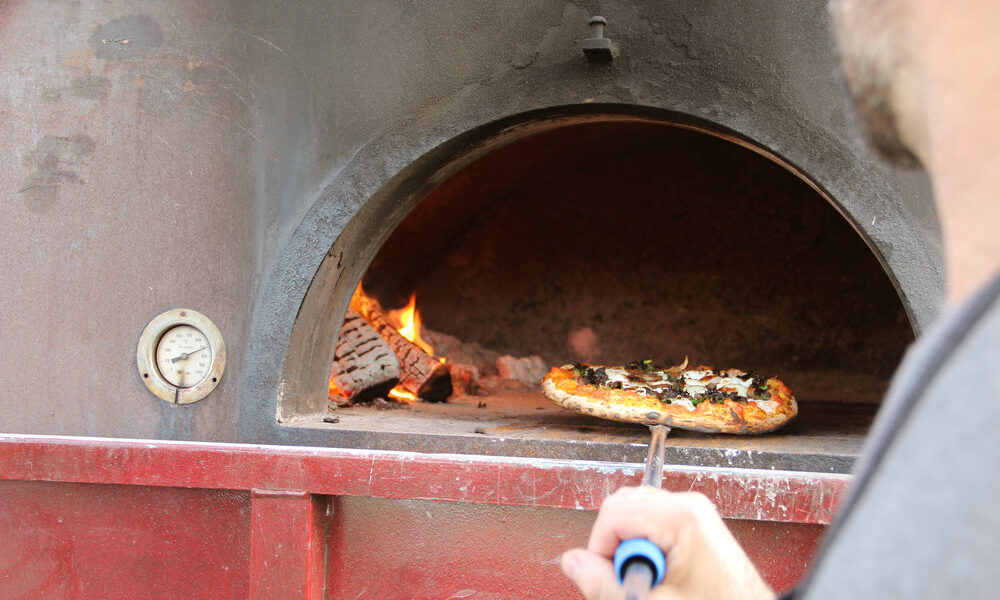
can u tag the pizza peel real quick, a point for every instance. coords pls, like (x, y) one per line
(639, 563)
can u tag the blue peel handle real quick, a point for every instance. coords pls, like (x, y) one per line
(640, 549)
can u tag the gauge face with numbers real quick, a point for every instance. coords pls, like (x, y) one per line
(183, 356)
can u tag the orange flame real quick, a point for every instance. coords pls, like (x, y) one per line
(408, 320)
(400, 394)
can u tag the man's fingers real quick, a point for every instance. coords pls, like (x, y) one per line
(645, 512)
(690, 531)
(592, 573)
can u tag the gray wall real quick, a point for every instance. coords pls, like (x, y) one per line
(126, 188)
(213, 159)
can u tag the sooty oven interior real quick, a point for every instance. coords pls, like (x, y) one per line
(613, 241)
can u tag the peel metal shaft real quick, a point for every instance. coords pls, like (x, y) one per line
(638, 581)
(653, 474)
(638, 576)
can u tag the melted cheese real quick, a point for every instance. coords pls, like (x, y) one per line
(695, 383)
(768, 406)
(683, 402)
(695, 375)
(734, 384)
(620, 376)
(654, 381)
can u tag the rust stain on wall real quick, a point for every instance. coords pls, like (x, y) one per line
(53, 162)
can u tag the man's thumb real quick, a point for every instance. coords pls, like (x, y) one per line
(592, 573)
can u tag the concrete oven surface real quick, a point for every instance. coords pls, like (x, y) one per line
(229, 156)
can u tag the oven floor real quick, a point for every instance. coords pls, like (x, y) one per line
(825, 437)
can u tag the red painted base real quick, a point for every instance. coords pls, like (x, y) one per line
(92, 518)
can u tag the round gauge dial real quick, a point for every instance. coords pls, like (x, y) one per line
(183, 356)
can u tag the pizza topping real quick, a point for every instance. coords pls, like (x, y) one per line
(679, 385)
(619, 376)
(768, 406)
(728, 401)
(676, 391)
(736, 385)
(698, 375)
(697, 381)
(718, 396)
(688, 403)
(671, 395)
(688, 389)
(596, 376)
(760, 391)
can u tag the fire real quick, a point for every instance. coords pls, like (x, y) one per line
(405, 320)
(398, 393)
(408, 324)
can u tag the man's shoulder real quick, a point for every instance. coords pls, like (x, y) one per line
(921, 506)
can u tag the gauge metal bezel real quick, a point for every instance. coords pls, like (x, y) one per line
(146, 356)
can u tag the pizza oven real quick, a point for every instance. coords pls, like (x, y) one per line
(609, 239)
(679, 179)
(734, 219)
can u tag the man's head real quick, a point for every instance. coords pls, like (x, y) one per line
(926, 77)
(874, 50)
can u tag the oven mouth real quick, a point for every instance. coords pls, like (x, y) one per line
(819, 309)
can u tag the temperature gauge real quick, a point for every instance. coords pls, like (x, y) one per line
(181, 356)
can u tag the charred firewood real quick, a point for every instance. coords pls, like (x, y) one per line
(364, 366)
(420, 373)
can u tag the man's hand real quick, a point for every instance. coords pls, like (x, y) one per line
(703, 559)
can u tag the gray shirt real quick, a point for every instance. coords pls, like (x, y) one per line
(923, 517)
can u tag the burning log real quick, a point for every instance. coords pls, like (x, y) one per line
(383, 354)
(420, 373)
(364, 366)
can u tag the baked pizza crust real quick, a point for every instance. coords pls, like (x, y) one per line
(562, 387)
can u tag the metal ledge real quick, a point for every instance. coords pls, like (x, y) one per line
(826, 437)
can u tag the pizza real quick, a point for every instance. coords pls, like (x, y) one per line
(697, 398)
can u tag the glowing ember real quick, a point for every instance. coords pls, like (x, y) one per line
(398, 393)
(408, 319)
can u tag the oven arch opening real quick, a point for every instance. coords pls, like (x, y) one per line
(617, 241)
(601, 136)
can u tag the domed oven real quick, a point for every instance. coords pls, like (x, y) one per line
(607, 236)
